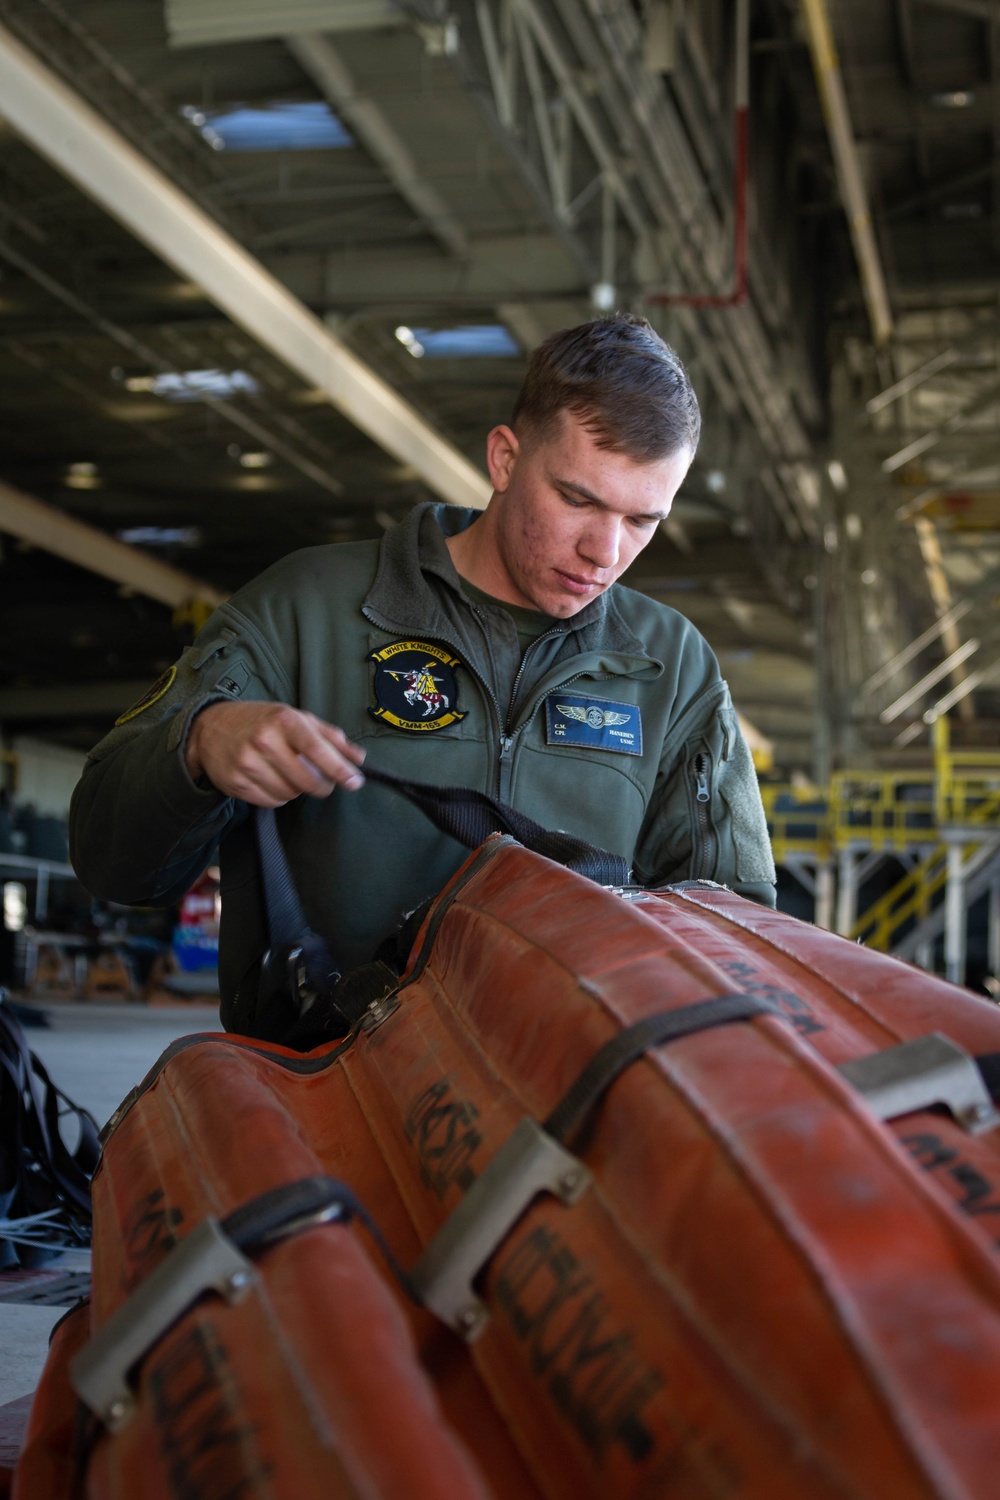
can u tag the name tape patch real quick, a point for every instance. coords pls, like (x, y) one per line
(571, 719)
(415, 686)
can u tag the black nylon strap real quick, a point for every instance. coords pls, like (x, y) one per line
(286, 921)
(470, 817)
(295, 1206)
(576, 1105)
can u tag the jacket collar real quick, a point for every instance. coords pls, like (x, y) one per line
(403, 599)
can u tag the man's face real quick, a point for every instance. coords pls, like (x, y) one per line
(571, 516)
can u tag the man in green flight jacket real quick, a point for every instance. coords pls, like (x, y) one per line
(492, 650)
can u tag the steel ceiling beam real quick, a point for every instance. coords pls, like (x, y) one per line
(70, 700)
(197, 23)
(54, 531)
(85, 148)
(318, 57)
(845, 155)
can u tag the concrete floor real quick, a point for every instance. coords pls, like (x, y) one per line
(95, 1054)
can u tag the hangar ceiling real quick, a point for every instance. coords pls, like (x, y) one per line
(438, 187)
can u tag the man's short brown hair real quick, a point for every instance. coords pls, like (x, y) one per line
(621, 379)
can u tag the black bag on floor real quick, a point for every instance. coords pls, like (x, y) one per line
(44, 1185)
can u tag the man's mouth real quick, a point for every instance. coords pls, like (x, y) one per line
(575, 583)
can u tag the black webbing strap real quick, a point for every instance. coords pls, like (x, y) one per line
(575, 1107)
(286, 920)
(470, 817)
(288, 931)
(295, 1206)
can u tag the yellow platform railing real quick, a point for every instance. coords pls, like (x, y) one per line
(891, 812)
(798, 821)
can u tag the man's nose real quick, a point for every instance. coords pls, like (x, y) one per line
(601, 543)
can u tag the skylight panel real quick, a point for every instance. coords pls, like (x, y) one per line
(160, 536)
(192, 385)
(282, 126)
(471, 341)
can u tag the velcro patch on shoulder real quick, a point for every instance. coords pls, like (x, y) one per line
(594, 723)
(152, 695)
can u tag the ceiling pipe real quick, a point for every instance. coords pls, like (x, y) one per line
(85, 148)
(845, 156)
(741, 157)
(54, 531)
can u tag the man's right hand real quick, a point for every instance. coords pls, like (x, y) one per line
(268, 753)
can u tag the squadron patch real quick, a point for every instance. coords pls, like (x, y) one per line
(152, 695)
(571, 719)
(415, 686)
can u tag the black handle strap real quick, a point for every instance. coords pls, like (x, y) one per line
(575, 1107)
(464, 814)
(286, 920)
(470, 817)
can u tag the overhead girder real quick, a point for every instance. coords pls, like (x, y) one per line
(54, 531)
(82, 145)
(369, 125)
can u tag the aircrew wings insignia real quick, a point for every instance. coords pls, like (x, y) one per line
(594, 718)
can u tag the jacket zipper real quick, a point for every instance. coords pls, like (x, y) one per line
(507, 736)
(704, 852)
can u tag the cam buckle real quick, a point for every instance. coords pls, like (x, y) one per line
(916, 1075)
(529, 1162)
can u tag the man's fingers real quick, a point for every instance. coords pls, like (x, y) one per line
(328, 751)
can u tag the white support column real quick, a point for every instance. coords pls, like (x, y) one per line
(847, 891)
(994, 928)
(955, 917)
(924, 957)
(825, 896)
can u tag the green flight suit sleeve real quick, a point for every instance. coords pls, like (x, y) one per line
(706, 820)
(141, 831)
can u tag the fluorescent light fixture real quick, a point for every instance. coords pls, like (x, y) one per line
(409, 341)
(260, 460)
(715, 481)
(82, 476)
(192, 385)
(15, 906)
(160, 536)
(279, 126)
(907, 699)
(910, 733)
(838, 474)
(953, 98)
(468, 341)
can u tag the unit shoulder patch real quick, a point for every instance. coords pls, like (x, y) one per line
(416, 687)
(594, 723)
(152, 695)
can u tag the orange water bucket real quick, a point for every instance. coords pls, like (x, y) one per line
(755, 1257)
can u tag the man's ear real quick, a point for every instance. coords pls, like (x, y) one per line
(502, 449)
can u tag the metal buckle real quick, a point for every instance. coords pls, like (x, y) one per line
(918, 1074)
(205, 1260)
(529, 1162)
